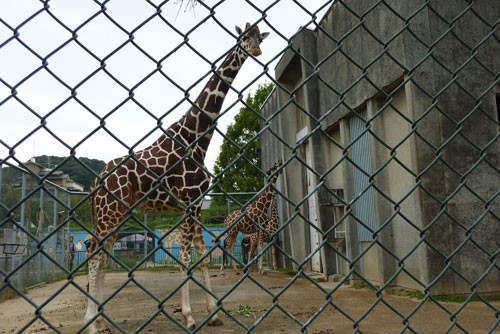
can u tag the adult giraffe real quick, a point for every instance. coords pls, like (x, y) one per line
(168, 175)
(254, 218)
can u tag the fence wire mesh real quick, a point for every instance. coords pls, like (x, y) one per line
(384, 115)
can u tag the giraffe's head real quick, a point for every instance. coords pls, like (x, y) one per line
(251, 39)
(274, 172)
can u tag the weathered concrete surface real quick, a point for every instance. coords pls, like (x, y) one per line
(444, 56)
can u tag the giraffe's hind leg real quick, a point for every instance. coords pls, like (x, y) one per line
(230, 240)
(94, 284)
(199, 244)
(185, 257)
(231, 251)
(254, 239)
(228, 247)
(275, 257)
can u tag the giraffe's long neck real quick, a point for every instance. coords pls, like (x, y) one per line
(274, 208)
(265, 199)
(194, 130)
(209, 102)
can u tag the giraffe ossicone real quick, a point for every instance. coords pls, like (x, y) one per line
(168, 175)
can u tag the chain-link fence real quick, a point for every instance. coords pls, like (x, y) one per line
(384, 113)
(34, 238)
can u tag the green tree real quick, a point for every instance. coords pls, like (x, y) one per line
(237, 167)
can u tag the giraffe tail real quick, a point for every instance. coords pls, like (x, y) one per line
(92, 211)
(88, 242)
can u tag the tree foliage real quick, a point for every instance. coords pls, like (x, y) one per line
(237, 167)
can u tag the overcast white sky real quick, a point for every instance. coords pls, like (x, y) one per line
(72, 122)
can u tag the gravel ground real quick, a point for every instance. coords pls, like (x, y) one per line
(298, 303)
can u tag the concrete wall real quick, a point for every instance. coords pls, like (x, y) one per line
(426, 76)
(280, 143)
(397, 202)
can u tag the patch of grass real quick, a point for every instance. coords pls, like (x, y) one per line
(410, 293)
(405, 293)
(395, 291)
(461, 299)
(287, 271)
(245, 310)
(364, 285)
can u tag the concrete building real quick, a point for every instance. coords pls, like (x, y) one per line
(387, 115)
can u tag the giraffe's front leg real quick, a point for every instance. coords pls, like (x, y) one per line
(260, 246)
(95, 289)
(222, 263)
(253, 246)
(275, 257)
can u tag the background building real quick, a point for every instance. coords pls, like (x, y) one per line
(389, 126)
(57, 177)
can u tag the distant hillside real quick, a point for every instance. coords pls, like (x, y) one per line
(81, 170)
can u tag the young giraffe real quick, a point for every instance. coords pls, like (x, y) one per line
(256, 214)
(168, 175)
(263, 237)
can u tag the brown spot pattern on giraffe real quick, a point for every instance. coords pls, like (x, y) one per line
(256, 216)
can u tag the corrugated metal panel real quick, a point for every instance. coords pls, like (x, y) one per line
(364, 207)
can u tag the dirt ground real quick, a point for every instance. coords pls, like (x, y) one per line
(289, 306)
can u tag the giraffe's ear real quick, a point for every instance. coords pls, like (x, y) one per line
(264, 35)
(238, 30)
